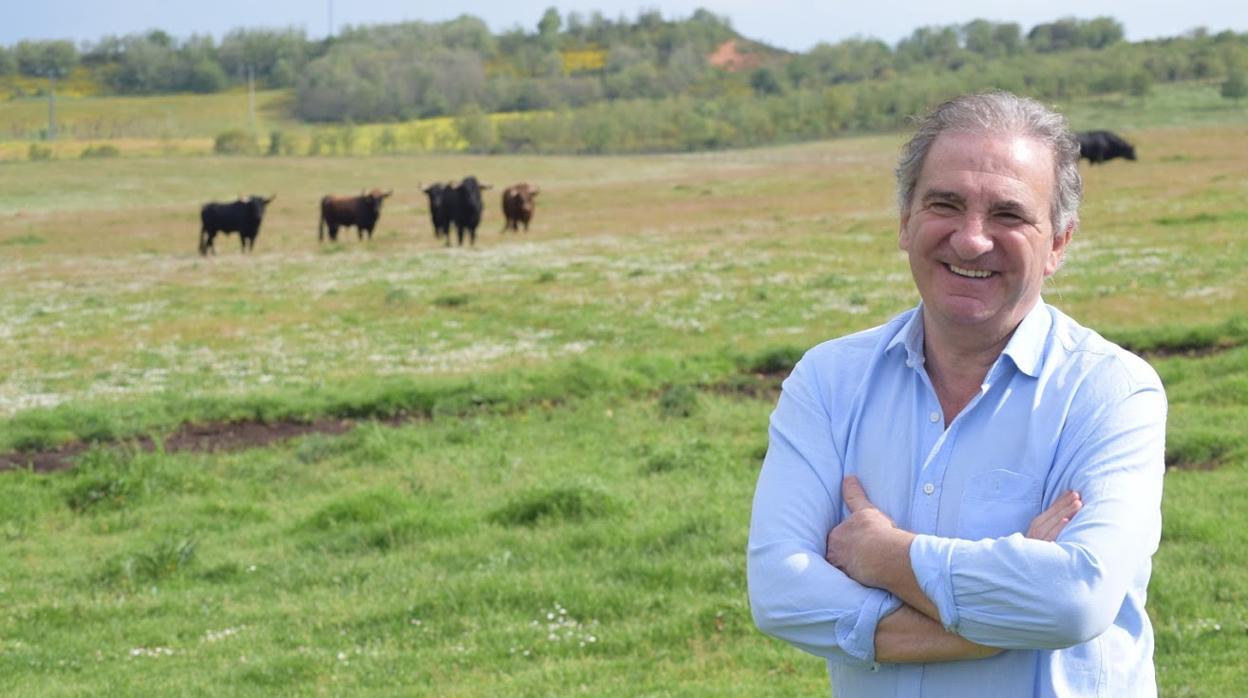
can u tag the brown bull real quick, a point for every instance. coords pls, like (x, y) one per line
(345, 211)
(518, 204)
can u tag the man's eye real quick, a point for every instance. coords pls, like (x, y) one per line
(943, 207)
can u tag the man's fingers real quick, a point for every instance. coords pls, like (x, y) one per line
(855, 497)
(1051, 521)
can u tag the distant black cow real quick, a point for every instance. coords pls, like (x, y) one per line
(1099, 146)
(345, 211)
(464, 205)
(439, 210)
(242, 217)
(518, 205)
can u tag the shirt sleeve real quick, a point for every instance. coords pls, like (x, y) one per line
(795, 594)
(1018, 593)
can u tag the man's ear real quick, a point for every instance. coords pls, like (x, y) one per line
(1057, 254)
(903, 234)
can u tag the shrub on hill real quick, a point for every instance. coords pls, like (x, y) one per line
(104, 150)
(235, 142)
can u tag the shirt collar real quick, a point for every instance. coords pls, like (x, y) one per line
(910, 337)
(1026, 345)
(1025, 348)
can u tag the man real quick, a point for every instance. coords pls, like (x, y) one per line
(965, 500)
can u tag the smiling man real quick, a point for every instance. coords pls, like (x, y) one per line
(965, 501)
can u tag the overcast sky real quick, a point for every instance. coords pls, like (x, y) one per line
(791, 24)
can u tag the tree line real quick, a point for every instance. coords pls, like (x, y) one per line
(588, 83)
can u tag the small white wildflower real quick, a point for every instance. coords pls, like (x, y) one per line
(151, 652)
(342, 656)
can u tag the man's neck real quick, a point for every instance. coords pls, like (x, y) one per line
(957, 363)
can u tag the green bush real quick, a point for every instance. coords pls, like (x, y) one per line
(39, 152)
(105, 150)
(235, 142)
(280, 143)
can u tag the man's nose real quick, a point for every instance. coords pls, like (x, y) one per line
(971, 239)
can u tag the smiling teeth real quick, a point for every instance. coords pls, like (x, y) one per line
(972, 273)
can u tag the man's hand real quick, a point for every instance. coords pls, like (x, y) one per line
(1051, 521)
(866, 545)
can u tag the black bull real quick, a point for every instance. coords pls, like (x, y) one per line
(1099, 146)
(242, 217)
(458, 204)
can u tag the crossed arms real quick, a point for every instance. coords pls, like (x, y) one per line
(891, 595)
(869, 548)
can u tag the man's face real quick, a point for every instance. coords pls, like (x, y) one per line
(979, 232)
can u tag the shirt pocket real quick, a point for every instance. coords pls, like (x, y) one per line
(998, 503)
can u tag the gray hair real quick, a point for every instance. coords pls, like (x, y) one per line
(1007, 114)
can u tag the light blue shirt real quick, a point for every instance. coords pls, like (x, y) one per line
(1061, 409)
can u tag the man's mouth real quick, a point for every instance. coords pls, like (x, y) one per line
(970, 273)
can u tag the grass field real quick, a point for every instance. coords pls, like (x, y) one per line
(548, 490)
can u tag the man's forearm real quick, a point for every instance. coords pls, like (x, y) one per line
(897, 577)
(907, 636)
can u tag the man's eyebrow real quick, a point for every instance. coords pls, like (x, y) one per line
(1008, 206)
(942, 195)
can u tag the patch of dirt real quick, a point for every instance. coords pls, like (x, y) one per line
(728, 57)
(1191, 352)
(1186, 465)
(209, 437)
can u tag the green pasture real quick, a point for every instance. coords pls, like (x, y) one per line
(548, 489)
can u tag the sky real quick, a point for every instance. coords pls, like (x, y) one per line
(795, 25)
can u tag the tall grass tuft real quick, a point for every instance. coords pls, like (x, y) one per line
(678, 401)
(554, 504)
(168, 558)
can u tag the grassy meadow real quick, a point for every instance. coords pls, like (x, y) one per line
(547, 490)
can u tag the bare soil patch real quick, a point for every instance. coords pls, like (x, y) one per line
(208, 437)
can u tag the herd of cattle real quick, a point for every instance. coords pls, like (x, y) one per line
(450, 204)
(460, 204)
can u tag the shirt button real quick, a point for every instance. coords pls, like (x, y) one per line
(929, 488)
(934, 417)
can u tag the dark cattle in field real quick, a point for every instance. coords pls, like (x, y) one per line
(439, 209)
(518, 205)
(464, 205)
(1099, 146)
(242, 217)
(346, 211)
